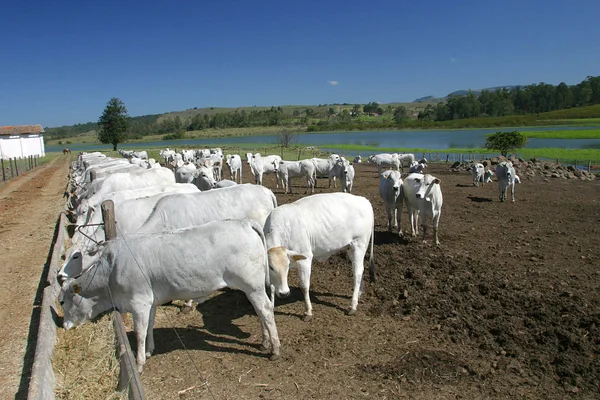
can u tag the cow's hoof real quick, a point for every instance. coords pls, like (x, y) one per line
(351, 312)
(274, 357)
(307, 318)
(186, 309)
(263, 347)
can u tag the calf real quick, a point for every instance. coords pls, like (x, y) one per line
(347, 178)
(317, 227)
(505, 173)
(478, 172)
(390, 190)
(423, 197)
(234, 163)
(144, 271)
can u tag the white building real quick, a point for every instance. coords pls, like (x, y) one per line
(21, 141)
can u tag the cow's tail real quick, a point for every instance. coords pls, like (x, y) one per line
(371, 259)
(258, 229)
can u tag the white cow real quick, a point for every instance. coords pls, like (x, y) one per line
(204, 178)
(317, 227)
(234, 163)
(286, 170)
(385, 160)
(487, 176)
(144, 271)
(406, 160)
(257, 167)
(505, 173)
(478, 172)
(390, 190)
(167, 155)
(358, 159)
(188, 155)
(140, 154)
(185, 173)
(424, 199)
(347, 177)
(326, 168)
(270, 166)
(417, 167)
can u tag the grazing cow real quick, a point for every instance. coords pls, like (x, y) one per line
(390, 190)
(505, 173)
(317, 227)
(423, 197)
(145, 271)
(478, 172)
(234, 163)
(65, 151)
(347, 178)
(292, 169)
(385, 160)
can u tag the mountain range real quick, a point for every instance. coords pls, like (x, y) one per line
(461, 92)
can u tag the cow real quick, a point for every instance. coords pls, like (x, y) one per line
(478, 172)
(417, 167)
(358, 159)
(185, 173)
(385, 160)
(257, 167)
(423, 197)
(406, 160)
(390, 190)
(505, 173)
(286, 170)
(188, 155)
(347, 177)
(204, 178)
(487, 176)
(138, 273)
(167, 155)
(270, 166)
(140, 154)
(66, 151)
(224, 183)
(234, 163)
(326, 168)
(317, 227)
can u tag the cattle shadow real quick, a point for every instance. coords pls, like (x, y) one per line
(385, 237)
(480, 199)
(464, 185)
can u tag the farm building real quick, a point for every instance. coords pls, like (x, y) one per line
(21, 141)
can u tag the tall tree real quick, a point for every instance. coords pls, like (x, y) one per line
(505, 141)
(113, 123)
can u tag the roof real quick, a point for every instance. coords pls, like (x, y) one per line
(20, 129)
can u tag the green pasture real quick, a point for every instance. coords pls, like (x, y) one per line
(564, 134)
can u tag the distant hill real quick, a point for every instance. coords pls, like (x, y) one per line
(462, 92)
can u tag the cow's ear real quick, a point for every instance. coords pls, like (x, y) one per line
(293, 256)
(436, 180)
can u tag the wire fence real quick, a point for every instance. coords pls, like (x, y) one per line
(13, 167)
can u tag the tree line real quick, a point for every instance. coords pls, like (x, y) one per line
(486, 105)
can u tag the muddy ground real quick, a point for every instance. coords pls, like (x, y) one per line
(508, 306)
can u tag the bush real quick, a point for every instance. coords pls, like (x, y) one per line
(175, 136)
(505, 141)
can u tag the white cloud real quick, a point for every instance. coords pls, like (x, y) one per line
(333, 83)
(452, 59)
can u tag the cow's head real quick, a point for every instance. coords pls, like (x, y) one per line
(425, 185)
(76, 308)
(280, 259)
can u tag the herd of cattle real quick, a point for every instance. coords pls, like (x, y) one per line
(183, 232)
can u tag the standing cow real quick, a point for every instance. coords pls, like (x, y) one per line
(390, 190)
(505, 173)
(318, 227)
(478, 173)
(424, 199)
(140, 273)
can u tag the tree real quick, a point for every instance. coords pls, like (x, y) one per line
(400, 114)
(113, 123)
(285, 138)
(505, 141)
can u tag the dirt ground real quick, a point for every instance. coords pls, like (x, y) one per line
(508, 306)
(29, 209)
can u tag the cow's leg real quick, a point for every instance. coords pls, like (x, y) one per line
(436, 221)
(289, 185)
(512, 191)
(264, 309)
(150, 334)
(424, 226)
(398, 210)
(388, 211)
(187, 306)
(141, 317)
(356, 254)
(304, 269)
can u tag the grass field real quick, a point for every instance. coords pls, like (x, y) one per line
(565, 134)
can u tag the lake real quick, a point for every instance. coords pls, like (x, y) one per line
(426, 139)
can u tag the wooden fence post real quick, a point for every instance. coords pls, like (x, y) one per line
(299, 151)
(108, 216)
(589, 166)
(3, 173)
(16, 166)
(12, 171)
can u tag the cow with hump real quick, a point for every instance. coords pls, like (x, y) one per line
(318, 226)
(423, 196)
(139, 272)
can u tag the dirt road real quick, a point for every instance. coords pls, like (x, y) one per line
(29, 208)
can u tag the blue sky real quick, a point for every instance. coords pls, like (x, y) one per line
(63, 60)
